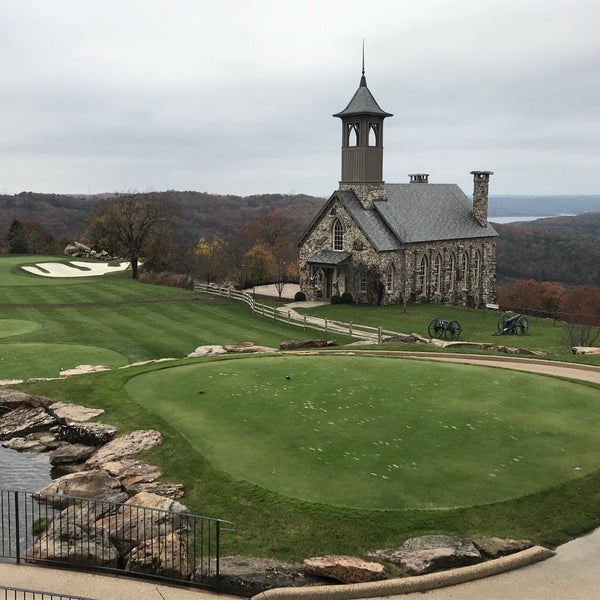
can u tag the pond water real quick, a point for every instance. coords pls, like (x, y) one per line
(23, 471)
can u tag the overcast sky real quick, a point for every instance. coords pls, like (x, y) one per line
(237, 96)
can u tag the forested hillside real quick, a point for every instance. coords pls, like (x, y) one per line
(565, 250)
(198, 213)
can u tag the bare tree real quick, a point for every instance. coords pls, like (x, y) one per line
(127, 224)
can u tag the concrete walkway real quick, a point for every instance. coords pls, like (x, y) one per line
(95, 586)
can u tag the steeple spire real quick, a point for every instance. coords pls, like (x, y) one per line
(363, 79)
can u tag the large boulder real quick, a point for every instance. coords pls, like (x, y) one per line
(138, 476)
(495, 547)
(41, 441)
(247, 348)
(422, 555)
(96, 484)
(166, 556)
(144, 517)
(125, 445)
(24, 420)
(73, 537)
(67, 413)
(11, 399)
(346, 569)
(68, 454)
(211, 350)
(89, 434)
(303, 344)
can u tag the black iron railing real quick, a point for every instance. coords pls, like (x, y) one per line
(174, 546)
(13, 593)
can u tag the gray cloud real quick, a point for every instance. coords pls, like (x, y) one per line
(234, 96)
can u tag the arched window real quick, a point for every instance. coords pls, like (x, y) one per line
(373, 134)
(338, 235)
(436, 275)
(464, 267)
(423, 276)
(352, 134)
(477, 273)
(390, 276)
(452, 281)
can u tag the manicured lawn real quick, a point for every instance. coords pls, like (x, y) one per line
(127, 321)
(379, 433)
(477, 325)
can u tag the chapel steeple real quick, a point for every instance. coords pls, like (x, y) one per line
(362, 137)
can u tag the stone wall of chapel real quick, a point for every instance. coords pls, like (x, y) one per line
(465, 290)
(321, 238)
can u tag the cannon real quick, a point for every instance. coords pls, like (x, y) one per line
(442, 329)
(517, 325)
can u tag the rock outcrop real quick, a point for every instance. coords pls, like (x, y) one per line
(429, 553)
(125, 445)
(346, 569)
(24, 420)
(303, 344)
(79, 250)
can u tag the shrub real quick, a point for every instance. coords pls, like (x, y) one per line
(336, 299)
(300, 297)
(346, 298)
(169, 279)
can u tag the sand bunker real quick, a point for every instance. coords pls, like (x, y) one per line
(75, 268)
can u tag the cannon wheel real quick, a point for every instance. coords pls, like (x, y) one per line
(453, 330)
(502, 322)
(433, 328)
(522, 326)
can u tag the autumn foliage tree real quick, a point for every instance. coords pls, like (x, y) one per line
(541, 299)
(209, 262)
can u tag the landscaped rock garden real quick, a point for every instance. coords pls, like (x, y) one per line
(111, 530)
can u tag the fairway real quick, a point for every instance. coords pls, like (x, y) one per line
(379, 433)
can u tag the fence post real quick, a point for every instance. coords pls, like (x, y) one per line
(379, 334)
(350, 329)
(304, 322)
(325, 328)
(289, 316)
(17, 529)
(218, 556)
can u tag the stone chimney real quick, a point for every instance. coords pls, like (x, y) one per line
(419, 178)
(481, 181)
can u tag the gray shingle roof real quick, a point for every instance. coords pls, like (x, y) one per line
(369, 222)
(363, 103)
(419, 212)
(330, 257)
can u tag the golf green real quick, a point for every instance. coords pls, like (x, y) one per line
(373, 432)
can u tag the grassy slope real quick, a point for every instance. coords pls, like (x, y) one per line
(126, 320)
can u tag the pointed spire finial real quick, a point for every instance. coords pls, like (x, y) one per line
(363, 79)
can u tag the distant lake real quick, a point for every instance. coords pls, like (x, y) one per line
(521, 218)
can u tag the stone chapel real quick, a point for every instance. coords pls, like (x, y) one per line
(396, 242)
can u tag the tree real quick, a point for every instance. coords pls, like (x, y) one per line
(258, 266)
(581, 310)
(128, 224)
(209, 258)
(535, 298)
(17, 238)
